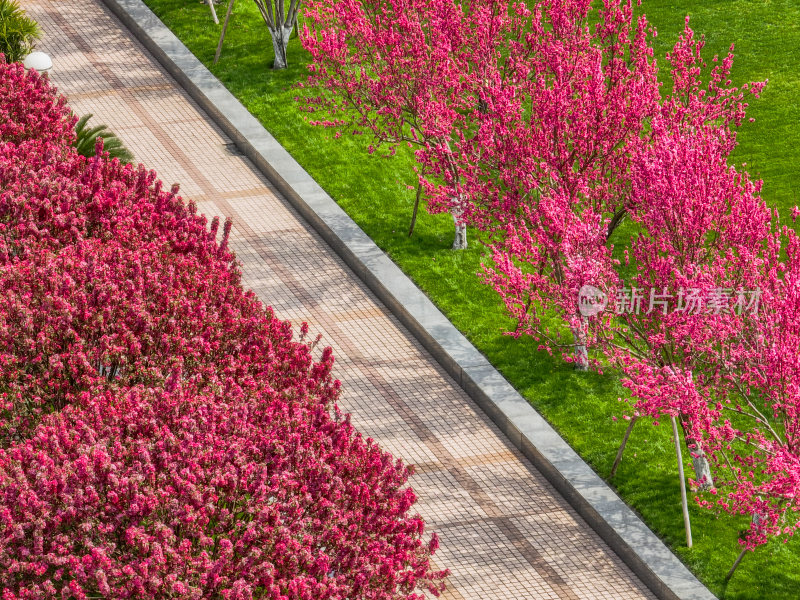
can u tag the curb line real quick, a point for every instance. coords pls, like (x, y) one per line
(644, 553)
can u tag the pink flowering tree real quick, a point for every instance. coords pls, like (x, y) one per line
(554, 226)
(750, 430)
(702, 229)
(406, 72)
(547, 173)
(737, 396)
(703, 233)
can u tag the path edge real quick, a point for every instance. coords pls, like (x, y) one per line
(639, 548)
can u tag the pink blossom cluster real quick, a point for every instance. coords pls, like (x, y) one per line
(161, 432)
(117, 316)
(523, 119)
(30, 108)
(543, 126)
(145, 493)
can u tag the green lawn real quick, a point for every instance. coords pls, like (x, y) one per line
(373, 190)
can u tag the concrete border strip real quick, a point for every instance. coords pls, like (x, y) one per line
(646, 555)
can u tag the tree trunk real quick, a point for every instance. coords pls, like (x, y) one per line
(280, 41)
(702, 469)
(213, 11)
(460, 241)
(580, 351)
(108, 371)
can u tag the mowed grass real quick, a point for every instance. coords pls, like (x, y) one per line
(374, 191)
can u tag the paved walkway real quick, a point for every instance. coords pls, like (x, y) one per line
(505, 532)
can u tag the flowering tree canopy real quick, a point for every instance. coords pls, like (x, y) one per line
(406, 71)
(544, 127)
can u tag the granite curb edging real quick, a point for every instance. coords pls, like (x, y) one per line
(647, 556)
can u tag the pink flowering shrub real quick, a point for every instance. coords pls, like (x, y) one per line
(150, 494)
(51, 197)
(98, 314)
(161, 433)
(31, 108)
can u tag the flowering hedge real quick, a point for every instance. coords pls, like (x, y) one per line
(30, 108)
(151, 494)
(100, 314)
(51, 197)
(161, 433)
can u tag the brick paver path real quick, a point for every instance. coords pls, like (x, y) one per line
(505, 532)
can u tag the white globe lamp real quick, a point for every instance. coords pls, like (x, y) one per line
(38, 61)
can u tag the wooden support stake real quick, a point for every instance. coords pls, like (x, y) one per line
(618, 458)
(224, 29)
(416, 208)
(735, 564)
(684, 504)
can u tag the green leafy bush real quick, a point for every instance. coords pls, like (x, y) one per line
(86, 140)
(18, 32)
